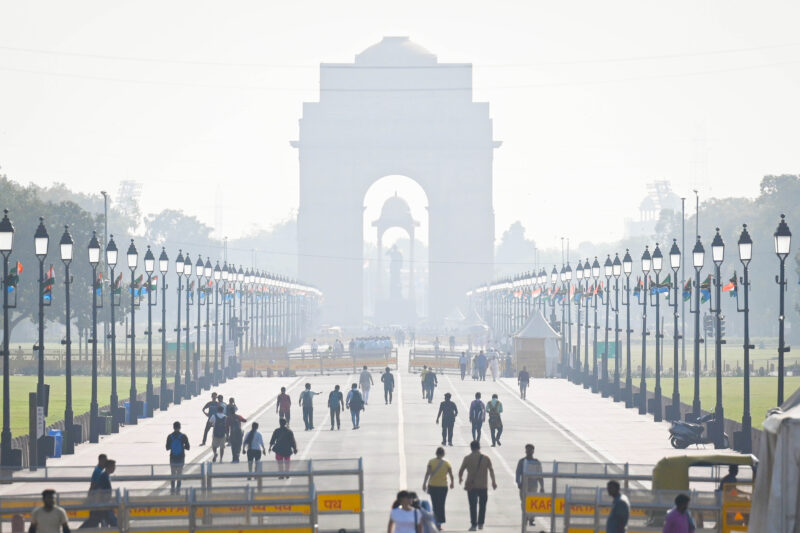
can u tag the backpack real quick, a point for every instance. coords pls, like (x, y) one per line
(476, 410)
(219, 426)
(356, 401)
(176, 445)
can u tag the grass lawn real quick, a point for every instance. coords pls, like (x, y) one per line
(81, 396)
(763, 394)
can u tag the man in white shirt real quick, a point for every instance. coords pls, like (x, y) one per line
(49, 518)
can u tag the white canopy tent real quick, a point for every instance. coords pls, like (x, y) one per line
(537, 346)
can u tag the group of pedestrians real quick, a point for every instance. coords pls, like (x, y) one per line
(677, 520)
(100, 493)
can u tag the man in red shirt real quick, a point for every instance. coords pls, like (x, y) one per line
(283, 406)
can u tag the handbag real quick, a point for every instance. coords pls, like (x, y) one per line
(433, 473)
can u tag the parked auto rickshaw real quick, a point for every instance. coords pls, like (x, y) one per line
(672, 473)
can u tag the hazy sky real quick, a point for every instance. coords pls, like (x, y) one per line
(198, 100)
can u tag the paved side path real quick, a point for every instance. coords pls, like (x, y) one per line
(144, 443)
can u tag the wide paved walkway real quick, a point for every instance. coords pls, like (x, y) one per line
(564, 421)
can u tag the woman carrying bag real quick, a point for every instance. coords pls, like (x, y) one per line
(404, 518)
(435, 484)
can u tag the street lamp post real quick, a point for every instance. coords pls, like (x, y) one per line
(616, 270)
(111, 261)
(189, 385)
(177, 393)
(217, 294)
(596, 276)
(133, 260)
(6, 245)
(718, 255)
(577, 365)
(553, 281)
(41, 241)
(241, 323)
(674, 412)
(743, 440)
(698, 258)
(68, 442)
(568, 296)
(200, 272)
(208, 271)
(607, 270)
(563, 330)
(225, 277)
(587, 382)
(646, 264)
(627, 268)
(658, 261)
(163, 267)
(783, 242)
(149, 268)
(94, 259)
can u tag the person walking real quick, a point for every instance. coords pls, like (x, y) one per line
(218, 434)
(447, 412)
(307, 403)
(678, 519)
(452, 343)
(495, 366)
(388, 385)
(617, 521)
(283, 444)
(477, 414)
(431, 381)
(49, 517)
(422, 379)
(523, 380)
(209, 409)
(478, 467)
(102, 495)
(177, 444)
(475, 372)
(235, 435)
(403, 518)
(366, 383)
(101, 465)
(435, 484)
(254, 446)
(95, 516)
(336, 406)
(231, 408)
(482, 364)
(528, 464)
(462, 364)
(356, 404)
(283, 405)
(494, 409)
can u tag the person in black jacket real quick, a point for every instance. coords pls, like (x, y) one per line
(448, 412)
(283, 444)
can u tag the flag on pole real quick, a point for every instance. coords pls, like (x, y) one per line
(731, 286)
(687, 290)
(98, 285)
(13, 277)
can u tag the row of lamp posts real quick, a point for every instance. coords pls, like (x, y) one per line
(254, 290)
(590, 286)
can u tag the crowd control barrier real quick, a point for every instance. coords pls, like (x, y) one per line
(544, 491)
(324, 362)
(314, 495)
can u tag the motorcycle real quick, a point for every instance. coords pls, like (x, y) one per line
(682, 434)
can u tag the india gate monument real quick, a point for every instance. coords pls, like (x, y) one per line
(395, 111)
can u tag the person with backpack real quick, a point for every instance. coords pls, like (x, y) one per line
(220, 425)
(283, 444)
(430, 383)
(307, 403)
(435, 484)
(365, 381)
(235, 435)
(254, 446)
(356, 404)
(524, 380)
(388, 385)
(177, 444)
(403, 517)
(448, 412)
(494, 409)
(336, 406)
(477, 414)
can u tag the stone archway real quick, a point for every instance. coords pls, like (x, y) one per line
(395, 111)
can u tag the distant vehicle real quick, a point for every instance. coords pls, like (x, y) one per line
(683, 434)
